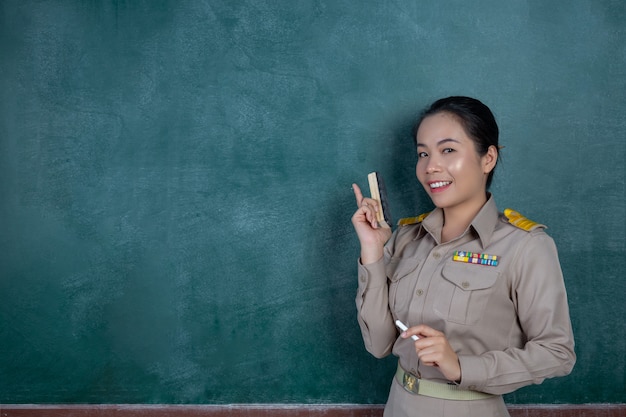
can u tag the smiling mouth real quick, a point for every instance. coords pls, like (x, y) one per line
(439, 184)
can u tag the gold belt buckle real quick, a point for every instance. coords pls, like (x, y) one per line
(410, 383)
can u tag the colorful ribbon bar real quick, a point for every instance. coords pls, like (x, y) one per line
(475, 258)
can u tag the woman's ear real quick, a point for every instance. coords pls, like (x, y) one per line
(490, 159)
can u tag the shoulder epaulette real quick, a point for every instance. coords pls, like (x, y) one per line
(520, 221)
(407, 221)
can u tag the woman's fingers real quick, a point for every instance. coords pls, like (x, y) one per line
(357, 194)
(433, 349)
(364, 201)
(367, 206)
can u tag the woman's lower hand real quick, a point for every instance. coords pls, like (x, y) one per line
(433, 349)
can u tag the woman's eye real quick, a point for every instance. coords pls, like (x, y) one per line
(448, 150)
(421, 155)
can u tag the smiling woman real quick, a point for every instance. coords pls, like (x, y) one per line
(483, 291)
(454, 167)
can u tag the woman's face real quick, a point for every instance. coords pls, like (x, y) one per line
(448, 166)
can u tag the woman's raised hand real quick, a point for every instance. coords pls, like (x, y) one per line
(371, 235)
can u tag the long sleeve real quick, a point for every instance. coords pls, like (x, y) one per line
(538, 292)
(372, 302)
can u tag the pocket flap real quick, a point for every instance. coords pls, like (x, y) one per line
(469, 277)
(399, 268)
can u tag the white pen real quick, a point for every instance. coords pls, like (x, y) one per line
(403, 327)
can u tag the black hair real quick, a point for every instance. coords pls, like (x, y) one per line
(475, 117)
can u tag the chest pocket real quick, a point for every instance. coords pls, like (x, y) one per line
(399, 272)
(464, 291)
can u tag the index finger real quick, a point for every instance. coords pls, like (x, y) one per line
(423, 330)
(358, 194)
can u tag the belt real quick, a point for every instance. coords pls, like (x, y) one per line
(418, 386)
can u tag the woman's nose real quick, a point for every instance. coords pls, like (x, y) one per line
(432, 165)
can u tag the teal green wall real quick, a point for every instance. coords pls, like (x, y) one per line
(175, 179)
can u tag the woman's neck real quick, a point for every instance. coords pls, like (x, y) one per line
(457, 219)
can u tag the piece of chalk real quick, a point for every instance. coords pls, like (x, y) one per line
(403, 327)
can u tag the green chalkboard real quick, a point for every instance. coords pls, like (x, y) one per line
(175, 180)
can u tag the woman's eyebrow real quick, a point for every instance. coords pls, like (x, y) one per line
(439, 143)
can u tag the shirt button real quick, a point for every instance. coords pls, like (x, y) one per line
(437, 255)
(419, 292)
(465, 284)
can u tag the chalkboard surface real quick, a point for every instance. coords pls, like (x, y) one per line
(175, 180)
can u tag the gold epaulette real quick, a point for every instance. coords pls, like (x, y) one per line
(407, 221)
(520, 221)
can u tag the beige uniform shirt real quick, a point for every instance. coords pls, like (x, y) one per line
(508, 323)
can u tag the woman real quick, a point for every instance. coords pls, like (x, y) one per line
(483, 291)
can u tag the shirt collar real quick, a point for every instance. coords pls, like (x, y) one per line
(484, 224)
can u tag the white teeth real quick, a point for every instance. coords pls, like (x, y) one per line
(440, 184)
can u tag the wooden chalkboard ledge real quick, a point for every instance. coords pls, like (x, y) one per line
(279, 410)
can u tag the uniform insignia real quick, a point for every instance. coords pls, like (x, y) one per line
(475, 258)
(520, 221)
(407, 221)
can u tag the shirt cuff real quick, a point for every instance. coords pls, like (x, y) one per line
(372, 275)
(473, 373)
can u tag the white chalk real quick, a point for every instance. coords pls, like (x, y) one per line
(403, 327)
